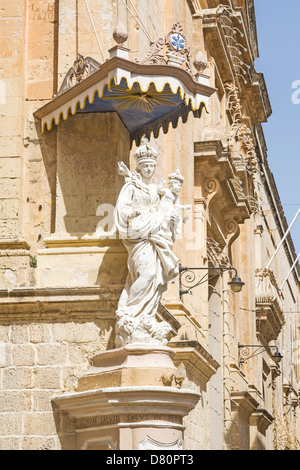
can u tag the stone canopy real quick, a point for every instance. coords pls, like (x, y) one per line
(147, 96)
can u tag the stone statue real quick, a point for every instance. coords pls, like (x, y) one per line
(147, 220)
(170, 202)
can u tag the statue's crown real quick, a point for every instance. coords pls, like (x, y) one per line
(145, 153)
(176, 176)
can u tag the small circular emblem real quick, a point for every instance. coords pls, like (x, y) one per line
(177, 42)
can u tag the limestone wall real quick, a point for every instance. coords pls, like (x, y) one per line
(60, 280)
(41, 359)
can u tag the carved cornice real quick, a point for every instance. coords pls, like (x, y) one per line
(229, 43)
(137, 400)
(239, 198)
(243, 401)
(214, 150)
(165, 315)
(225, 31)
(259, 94)
(13, 244)
(250, 12)
(59, 303)
(195, 357)
(262, 419)
(211, 156)
(26, 303)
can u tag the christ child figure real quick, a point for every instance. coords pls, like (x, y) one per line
(169, 205)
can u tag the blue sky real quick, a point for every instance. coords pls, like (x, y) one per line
(278, 30)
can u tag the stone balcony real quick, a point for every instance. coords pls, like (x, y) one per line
(269, 307)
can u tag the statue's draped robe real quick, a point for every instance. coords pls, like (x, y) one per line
(149, 252)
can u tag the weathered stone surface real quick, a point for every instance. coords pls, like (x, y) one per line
(60, 278)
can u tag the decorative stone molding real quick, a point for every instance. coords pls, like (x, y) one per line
(244, 402)
(211, 188)
(58, 303)
(232, 229)
(262, 419)
(269, 310)
(233, 31)
(225, 186)
(151, 444)
(13, 244)
(82, 68)
(194, 356)
(239, 132)
(126, 415)
(238, 195)
(82, 303)
(243, 405)
(195, 5)
(225, 29)
(215, 254)
(177, 50)
(155, 54)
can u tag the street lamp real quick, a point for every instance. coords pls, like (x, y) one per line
(244, 352)
(235, 284)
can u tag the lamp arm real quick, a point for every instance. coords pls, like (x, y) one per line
(219, 268)
(246, 347)
(191, 277)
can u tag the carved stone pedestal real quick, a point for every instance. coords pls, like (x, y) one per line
(122, 402)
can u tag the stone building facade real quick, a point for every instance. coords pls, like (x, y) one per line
(62, 266)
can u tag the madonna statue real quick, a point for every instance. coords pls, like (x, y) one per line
(141, 224)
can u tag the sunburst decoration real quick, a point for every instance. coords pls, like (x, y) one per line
(136, 98)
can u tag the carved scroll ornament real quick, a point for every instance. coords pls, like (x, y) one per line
(82, 68)
(177, 50)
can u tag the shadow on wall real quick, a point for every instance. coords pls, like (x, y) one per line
(81, 161)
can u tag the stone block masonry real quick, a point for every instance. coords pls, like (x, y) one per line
(37, 361)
